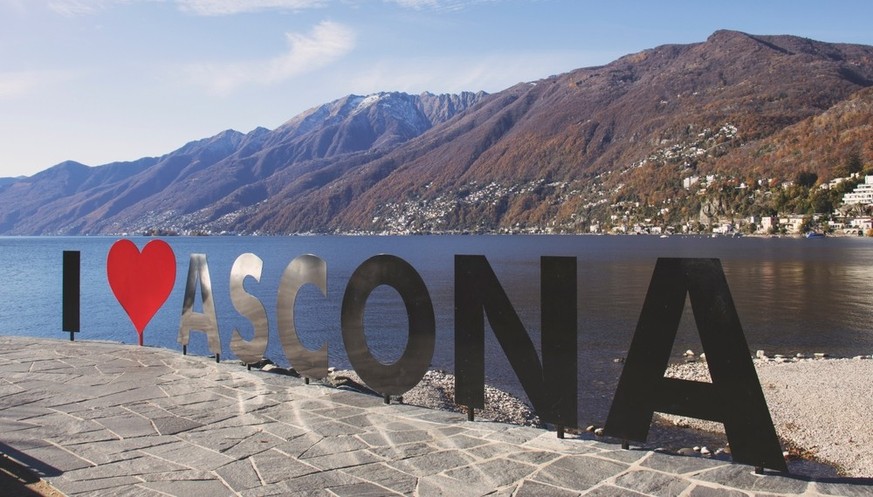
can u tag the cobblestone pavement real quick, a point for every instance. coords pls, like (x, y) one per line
(109, 419)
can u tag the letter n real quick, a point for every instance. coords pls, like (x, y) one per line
(551, 387)
(734, 397)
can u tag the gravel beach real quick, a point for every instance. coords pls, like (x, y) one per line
(821, 407)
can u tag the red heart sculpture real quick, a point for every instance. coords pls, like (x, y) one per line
(141, 281)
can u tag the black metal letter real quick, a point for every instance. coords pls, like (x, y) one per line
(734, 397)
(399, 377)
(71, 292)
(551, 387)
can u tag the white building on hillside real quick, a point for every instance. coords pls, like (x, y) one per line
(863, 193)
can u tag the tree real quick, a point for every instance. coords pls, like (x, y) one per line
(806, 179)
(806, 224)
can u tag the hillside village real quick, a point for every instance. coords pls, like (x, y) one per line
(852, 215)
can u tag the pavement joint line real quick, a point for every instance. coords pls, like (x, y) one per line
(403, 442)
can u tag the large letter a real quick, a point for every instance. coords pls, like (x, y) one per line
(734, 397)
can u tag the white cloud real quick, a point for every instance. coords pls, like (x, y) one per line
(438, 4)
(228, 7)
(415, 4)
(490, 73)
(198, 7)
(83, 7)
(327, 42)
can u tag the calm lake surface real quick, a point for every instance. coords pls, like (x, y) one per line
(792, 295)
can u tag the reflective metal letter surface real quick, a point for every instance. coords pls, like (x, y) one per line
(206, 321)
(248, 305)
(399, 377)
(302, 270)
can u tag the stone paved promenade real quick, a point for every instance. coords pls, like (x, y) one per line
(119, 420)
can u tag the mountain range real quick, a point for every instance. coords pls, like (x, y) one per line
(561, 154)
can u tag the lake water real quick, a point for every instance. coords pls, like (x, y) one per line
(792, 295)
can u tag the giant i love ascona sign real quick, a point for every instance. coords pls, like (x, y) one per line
(142, 281)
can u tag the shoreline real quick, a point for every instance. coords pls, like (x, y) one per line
(820, 406)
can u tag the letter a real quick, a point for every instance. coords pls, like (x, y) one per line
(205, 321)
(734, 397)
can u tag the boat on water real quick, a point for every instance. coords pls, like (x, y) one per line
(814, 234)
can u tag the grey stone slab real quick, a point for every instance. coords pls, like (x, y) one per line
(130, 491)
(652, 483)
(495, 473)
(281, 430)
(189, 455)
(172, 425)
(320, 480)
(549, 441)
(131, 395)
(339, 412)
(118, 450)
(254, 444)
(136, 466)
(9, 425)
(405, 451)
(212, 488)
(627, 456)
(106, 485)
(364, 489)
(681, 465)
(181, 475)
(578, 472)
(612, 491)
(444, 486)
(343, 460)
(240, 475)
(273, 466)
(744, 478)
(535, 489)
(385, 476)
(128, 426)
(518, 435)
(433, 462)
(282, 490)
(334, 428)
(491, 450)
(53, 460)
(854, 487)
(299, 445)
(389, 438)
(537, 457)
(221, 439)
(460, 441)
(333, 445)
(702, 491)
(356, 400)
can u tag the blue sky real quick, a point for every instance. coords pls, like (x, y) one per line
(104, 80)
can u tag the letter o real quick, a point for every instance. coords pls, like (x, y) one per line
(406, 372)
